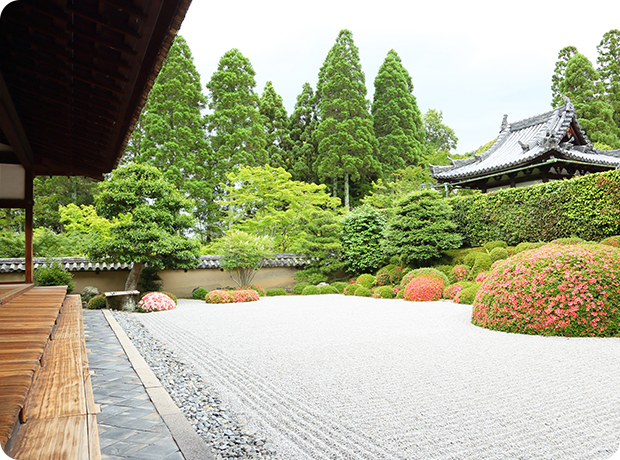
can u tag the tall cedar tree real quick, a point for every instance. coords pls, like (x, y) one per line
(275, 122)
(396, 117)
(346, 140)
(170, 134)
(609, 69)
(558, 74)
(581, 85)
(237, 134)
(302, 124)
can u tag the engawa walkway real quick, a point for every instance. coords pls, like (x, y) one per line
(334, 377)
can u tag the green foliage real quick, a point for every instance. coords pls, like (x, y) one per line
(362, 291)
(362, 231)
(97, 303)
(609, 70)
(468, 294)
(571, 240)
(12, 244)
(525, 246)
(351, 288)
(366, 280)
(383, 292)
(53, 274)
(149, 280)
(273, 292)
(421, 228)
(254, 287)
(339, 286)
(154, 232)
(612, 241)
(347, 145)
(299, 287)
(470, 259)
(494, 244)
(439, 137)
(302, 124)
(446, 270)
(311, 290)
(328, 289)
(275, 122)
(559, 74)
(587, 207)
(199, 294)
(397, 120)
(243, 254)
(498, 254)
(170, 135)
(402, 182)
(482, 263)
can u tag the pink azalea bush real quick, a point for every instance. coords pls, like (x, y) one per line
(245, 295)
(424, 289)
(567, 290)
(261, 291)
(219, 296)
(612, 241)
(460, 272)
(451, 291)
(156, 301)
(482, 276)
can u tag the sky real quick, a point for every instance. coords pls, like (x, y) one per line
(474, 60)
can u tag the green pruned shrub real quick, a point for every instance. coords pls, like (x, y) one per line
(397, 273)
(275, 292)
(52, 274)
(362, 291)
(445, 269)
(97, 302)
(431, 272)
(311, 290)
(527, 246)
(572, 240)
(299, 287)
(199, 293)
(468, 294)
(327, 290)
(149, 280)
(366, 280)
(385, 269)
(451, 291)
(351, 288)
(566, 290)
(482, 264)
(470, 259)
(612, 241)
(361, 238)
(488, 247)
(383, 292)
(498, 254)
(339, 286)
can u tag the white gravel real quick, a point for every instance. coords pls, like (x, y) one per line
(335, 377)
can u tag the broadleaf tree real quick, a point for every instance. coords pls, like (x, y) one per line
(347, 145)
(302, 124)
(439, 136)
(609, 69)
(275, 122)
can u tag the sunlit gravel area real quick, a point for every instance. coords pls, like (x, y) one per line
(335, 377)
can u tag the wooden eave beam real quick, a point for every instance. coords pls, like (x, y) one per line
(102, 41)
(103, 22)
(127, 7)
(13, 129)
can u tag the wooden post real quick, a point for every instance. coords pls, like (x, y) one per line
(29, 205)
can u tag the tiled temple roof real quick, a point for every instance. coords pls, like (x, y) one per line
(521, 143)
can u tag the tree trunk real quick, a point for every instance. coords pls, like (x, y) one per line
(132, 280)
(346, 191)
(335, 188)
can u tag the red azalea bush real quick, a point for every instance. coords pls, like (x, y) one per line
(156, 301)
(219, 296)
(254, 287)
(424, 289)
(245, 295)
(460, 272)
(612, 241)
(480, 277)
(567, 290)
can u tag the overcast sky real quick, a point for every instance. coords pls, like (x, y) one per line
(474, 60)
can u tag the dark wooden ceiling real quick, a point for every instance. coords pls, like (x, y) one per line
(78, 73)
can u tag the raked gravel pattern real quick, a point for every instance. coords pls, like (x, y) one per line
(335, 377)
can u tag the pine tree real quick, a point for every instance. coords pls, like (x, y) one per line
(346, 141)
(302, 124)
(237, 135)
(581, 85)
(558, 74)
(170, 134)
(275, 122)
(397, 120)
(609, 69)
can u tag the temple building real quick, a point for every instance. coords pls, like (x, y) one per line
(550, 146)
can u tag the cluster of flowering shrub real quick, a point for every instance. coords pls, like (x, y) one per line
(557, 289)
(223, 296)
(156, 301)
(424, 289)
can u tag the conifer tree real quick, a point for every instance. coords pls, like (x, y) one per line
(302, 124)
(558, 74)
(609, 69)
(397, 120)
(237, 135)
(275, 122)
(581, 85)
(170, 134)
(347, 144)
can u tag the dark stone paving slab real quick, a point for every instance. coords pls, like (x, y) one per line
(129, 426)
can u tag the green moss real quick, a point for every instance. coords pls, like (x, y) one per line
(488, 247)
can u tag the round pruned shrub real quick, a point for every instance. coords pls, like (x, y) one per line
(328, 290)
(383, 292)
(53, 274)
(432, 272)
(481, 277)
(482, 264)
(351, 288)
(367, 280)
(339, 286)
(396, 274)
(571, 240)
(245, 295)
(525, 246)
(467, 294)
(446, 270)
(172, 296)
(156, 301)
(451, 291)
(383, 275)
(498, 254)
(460, 272)
(612, 241)
(219, 296)
(299, 287)
(254, 287)
(424, 289)
(199, 293)
(562, 290)
(494, 244)
(275, 292)
(97, 302)
(362, 291)
(311, 290)
(470, 259)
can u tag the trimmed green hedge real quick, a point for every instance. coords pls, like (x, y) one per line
(587, 207)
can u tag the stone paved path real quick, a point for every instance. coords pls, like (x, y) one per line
(334, 377)
(129, 426)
